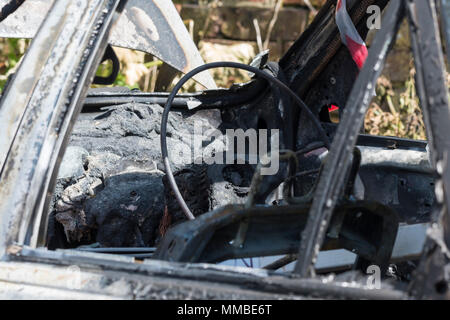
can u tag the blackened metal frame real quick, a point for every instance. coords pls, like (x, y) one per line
(330, 185)
(26, 205)
(433, 94)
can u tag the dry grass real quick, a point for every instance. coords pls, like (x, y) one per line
(396, 112)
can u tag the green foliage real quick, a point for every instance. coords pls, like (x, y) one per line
(12, 51)
(105, 70)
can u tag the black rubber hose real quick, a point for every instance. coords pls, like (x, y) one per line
(109, 55)
(189, 75)
(9, 8)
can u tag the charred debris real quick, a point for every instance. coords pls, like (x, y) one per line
(336, 191)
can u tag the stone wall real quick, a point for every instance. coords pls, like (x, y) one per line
(233, 23)
(230, 28)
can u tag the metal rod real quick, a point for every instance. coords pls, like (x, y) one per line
(280, 263)
(118, 250)
(432, 90)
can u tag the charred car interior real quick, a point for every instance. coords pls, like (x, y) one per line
(111, 180)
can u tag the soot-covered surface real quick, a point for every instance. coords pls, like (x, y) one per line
(110, 187)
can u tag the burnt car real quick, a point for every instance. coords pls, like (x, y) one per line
(103, 194)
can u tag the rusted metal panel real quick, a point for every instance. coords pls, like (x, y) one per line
(151, 26)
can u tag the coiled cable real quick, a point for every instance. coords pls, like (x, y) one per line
(165, 116)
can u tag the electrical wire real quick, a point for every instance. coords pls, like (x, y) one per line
(189, 75)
